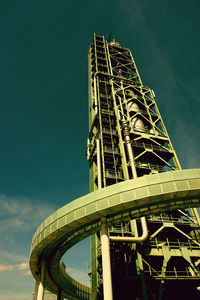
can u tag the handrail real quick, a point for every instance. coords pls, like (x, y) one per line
(80, 218)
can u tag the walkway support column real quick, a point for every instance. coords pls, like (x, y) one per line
(59, 295)
(41, 288)
(106, 264)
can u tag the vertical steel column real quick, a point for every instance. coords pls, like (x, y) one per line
(134, 172)
(161, 290)
(59, 295)
(98, 164)
(140, 263)
(129, 149)
(107, 279)
(41, 288)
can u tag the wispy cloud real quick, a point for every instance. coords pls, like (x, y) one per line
(19, 218)
(20, 267)
(15, 296)
(22, 213)
(164, 66)
(8, 255)
(79, 275)
(6, 267)
(25, 207)
(15, 281)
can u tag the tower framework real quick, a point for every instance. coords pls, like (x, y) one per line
(144, 240)
(128, 139)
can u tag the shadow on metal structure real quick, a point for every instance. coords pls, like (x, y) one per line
(121, 202)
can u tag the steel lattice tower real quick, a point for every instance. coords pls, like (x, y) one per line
(128, 139)
(140, 212)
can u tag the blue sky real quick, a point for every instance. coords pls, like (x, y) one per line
(44, 113)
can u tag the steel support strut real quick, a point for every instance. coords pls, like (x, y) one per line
(105, 248)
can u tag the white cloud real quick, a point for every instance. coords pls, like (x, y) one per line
(15, 282)
(19, 218)
(11, 256)
(27, 273)
(6, 267)
(79, 275)
(20, 267)
(23, 206)
(15, 297)
(22, 213)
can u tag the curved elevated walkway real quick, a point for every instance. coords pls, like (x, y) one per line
(120, 202)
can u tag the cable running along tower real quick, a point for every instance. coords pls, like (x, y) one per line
(140, 212)
(128, 139)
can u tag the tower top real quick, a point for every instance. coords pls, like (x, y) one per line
(114, 43)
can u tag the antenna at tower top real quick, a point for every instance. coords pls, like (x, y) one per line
(109, 36)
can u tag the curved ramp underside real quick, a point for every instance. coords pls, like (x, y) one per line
(123, 201)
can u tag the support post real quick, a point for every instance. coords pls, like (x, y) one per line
(98, 164)
(140, 263)
(142, 278)
(106, 264)
(129, 149)
(161, 290)
(59, 295)
(41, 288)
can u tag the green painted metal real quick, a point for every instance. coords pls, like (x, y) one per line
(120, 105)
(120, 202)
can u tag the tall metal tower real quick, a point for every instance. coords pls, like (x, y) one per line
(154, 255)
(144, 241)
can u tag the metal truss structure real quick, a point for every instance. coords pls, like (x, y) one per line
(128, 139)
(140, 212)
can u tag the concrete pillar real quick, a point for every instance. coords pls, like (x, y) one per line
(106, 264)
(41, 288)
